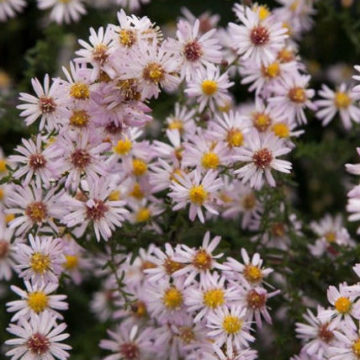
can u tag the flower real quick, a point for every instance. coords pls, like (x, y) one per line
(341, 101)
(38, 338)
(209, 87)
(9, 8)
(259, 154)
(63, 11)
(196, 190)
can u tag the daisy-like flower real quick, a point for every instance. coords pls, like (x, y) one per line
(198, 260)
(342, 102)
(166, 301)
(34, 208)
(181, 120)
(228, 326)
(9, 8)
(209, 88)
(81, 158)
(128, 342)
(154, 67)
(131, 4)
(47, 104)
(39, 338)
(41, 261)
(251, 269)
(7, 253)
(292, 97)
(194, 49)
(97, 52)
(257, 41)
(345, 305)
(196, 190)
(318, 335)
(63, 11)
(331, 231)
(260, 155)
(36, 299)
(35, 160)
(95, 208)
(210, 295)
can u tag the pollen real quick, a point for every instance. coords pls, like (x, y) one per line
(261, 121)
(40, 263)
(209, 87)
(342, 100)
(297, 95)
(137, 192)
(356, 347)
(259, 35)
(154, 72)
(252, 273)
(232, 324)
(330, 237)
(263, 12)
(38, 301)
(123, 147)
(71, 262)
(343, 305)
(80, 91)
(36, 211)
(139, 167)
(202, 260)
(79, 118)
(176, 124)
(172, 266)
(235, 138)
(210, 160)
(262, 158)
(281, 130)
(127, 37)
(193, 51)
(143, 215)
(173, 298)
(271, 71)
(198, 194)
(115, 195)
(214, 298)
(2, 165)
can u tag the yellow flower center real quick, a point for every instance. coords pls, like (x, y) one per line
(271, 71)
(171, 266)
(80, 91)
(136, 192)
(285, 55)
(343, 305)
(232, 324)
(154, 72)
(40, 263)
(71, 262)
(210, 160)
(330, 237)
(356, 348)
(261, 121)
(139, 309)
(263, 12)
(173, 298)
(281, 130)
(143, 215)
(252, 273)
(2, 165)
(213, 298)
(209, 87)
(139, 167)
(79, 118)
(235, 138)
(114, 195)
(176, 125)
(127, 37)
(198, 194)
(123, 147)
(202, 260)
(38, 301)
(297, 95)
(342, 100)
